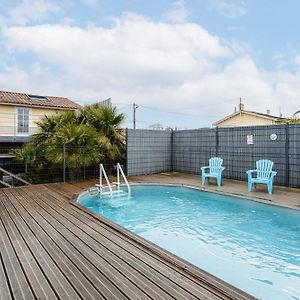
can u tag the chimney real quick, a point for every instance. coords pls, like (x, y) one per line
(235, 109)
(268, 112)
(241, 105)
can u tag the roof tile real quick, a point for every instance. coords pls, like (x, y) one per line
(23, 99)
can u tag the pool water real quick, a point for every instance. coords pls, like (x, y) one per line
(253, 246)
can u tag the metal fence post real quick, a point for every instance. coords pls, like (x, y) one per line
(64, 163)
(287, 160)
(172, 152)
(217, 141)
(126, 152)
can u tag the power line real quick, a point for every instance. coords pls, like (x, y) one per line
(179, 113)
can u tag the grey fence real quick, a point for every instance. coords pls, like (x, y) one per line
(148, 151)
(240, 147)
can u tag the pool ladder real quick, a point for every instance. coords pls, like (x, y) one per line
(102, 189)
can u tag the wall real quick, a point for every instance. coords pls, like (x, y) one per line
(148, 151)
(191, 149)
(8, 116)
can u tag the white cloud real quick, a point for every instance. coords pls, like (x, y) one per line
(171, 66)
(228, 9)
(34, 10)
(178, 13)
(297, 60)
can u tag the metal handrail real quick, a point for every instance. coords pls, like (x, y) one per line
(102, 171)
(5, 184)
(14, 176)
(119, 169)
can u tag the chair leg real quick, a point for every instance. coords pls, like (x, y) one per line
(203, 179)
(219, 181)
(270, 188)
(249, 186)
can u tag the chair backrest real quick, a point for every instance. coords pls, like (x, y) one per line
(214, 164)
(264, 168)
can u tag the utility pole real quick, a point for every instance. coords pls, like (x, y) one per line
(134, 112)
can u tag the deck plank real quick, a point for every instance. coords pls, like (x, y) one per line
(90, 271)
(33, 258)
(52, 248)
(66, 266)
(101, 257)
(4, 285)
(159, 274)
(174, 265)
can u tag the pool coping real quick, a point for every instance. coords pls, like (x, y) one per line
(235, 195)
(184, 266)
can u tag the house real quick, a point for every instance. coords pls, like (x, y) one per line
(19, 113)
(242, 117)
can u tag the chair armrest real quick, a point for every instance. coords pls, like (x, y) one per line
(203, 168)
(249, 172)
(222, 169)
(274, 173)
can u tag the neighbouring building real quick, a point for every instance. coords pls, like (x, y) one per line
(19, 113)
(242, 117)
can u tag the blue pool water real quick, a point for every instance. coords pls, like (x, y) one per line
(253, 246)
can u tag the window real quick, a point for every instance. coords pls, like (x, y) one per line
(37, 97)
(22, 120)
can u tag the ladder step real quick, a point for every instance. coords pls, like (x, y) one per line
(113, 192)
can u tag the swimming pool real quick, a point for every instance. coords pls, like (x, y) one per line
(253, 246)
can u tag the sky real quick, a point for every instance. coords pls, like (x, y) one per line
(185, 63)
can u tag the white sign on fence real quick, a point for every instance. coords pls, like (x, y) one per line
(273, 137)
(250, 139)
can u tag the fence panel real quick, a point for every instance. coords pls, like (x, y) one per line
(187, 150)
(192, 149)
(294, 155)
(241, 147)
(148, 151)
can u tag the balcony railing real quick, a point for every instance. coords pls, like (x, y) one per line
(12, 129)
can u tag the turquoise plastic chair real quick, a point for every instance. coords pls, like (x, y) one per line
(215, 169)
(264, 175)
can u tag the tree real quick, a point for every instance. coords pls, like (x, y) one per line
(294, 120)
(81, 142)
(34, 159)
(107, 122)
(80, 138)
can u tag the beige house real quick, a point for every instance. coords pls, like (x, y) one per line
(19, 113)
(242, 117)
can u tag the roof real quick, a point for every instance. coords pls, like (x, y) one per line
(13, 98)
(265, 116)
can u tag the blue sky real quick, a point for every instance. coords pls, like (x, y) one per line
(185, 63)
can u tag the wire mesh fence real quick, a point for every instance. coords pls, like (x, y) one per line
(62, 164)
(240, 147)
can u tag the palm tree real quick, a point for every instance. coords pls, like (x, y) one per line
(34, 159)
(79, 139)
(49, 125)
(81, 142)
(107, 122)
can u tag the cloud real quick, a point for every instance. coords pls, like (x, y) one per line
(32, 10)
(178, 13)
(178, 67)
(228, 9)
(297, 60)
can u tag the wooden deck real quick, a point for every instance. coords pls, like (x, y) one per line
(51, 248)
